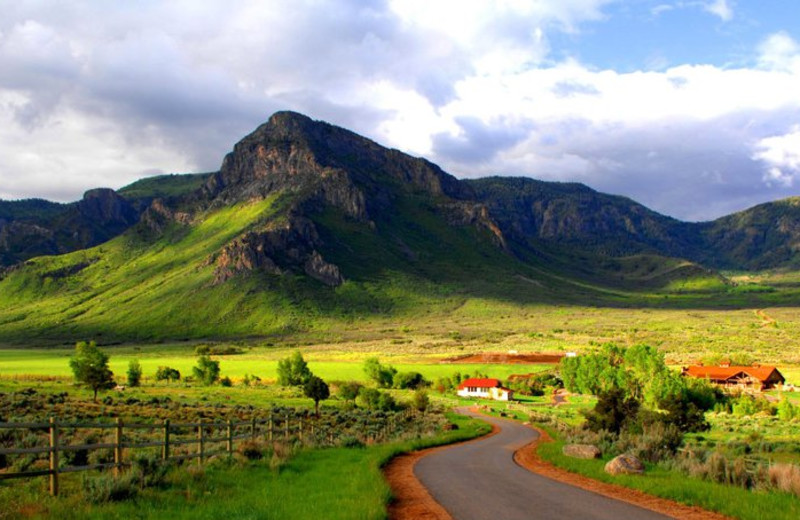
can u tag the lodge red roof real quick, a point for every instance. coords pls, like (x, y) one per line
(479, 383)
(762, 373)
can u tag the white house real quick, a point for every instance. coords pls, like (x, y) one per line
(485, 388)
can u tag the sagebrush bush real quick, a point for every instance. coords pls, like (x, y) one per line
(252, 449)
(108, 488)
(785, 477)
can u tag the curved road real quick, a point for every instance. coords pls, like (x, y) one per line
(480, 480)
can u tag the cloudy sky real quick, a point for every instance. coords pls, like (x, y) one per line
(691, 107)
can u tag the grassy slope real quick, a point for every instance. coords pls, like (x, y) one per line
(163, 186)
(411, 268)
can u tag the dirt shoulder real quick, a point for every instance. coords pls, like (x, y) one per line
(530, 460)
(410, 499)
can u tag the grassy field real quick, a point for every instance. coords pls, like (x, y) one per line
(337, 483)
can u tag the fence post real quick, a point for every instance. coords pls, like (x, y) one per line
(165, 447)
(286, 428)
(118, 447)
(230, 437)
(200, 441)
(53, 456)
(253, 428)
(300, 429)
(270, 427)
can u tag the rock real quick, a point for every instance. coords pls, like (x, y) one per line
(316, 267)
(277, 249)
(625, 464)
(581, 451)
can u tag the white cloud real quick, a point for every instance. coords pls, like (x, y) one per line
(472, 85)
(781, 157)
(720, 8)
(780, 52)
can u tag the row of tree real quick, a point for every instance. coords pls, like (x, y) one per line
(634, 386)
(90, 367)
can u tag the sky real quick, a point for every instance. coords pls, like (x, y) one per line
(690, 107)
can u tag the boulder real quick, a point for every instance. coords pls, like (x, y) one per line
(581, 451)
(624, 464)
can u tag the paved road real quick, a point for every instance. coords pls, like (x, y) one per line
(480, 480)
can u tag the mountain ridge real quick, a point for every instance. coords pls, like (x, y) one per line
(318, 164)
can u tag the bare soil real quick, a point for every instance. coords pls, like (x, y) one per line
(507, 359)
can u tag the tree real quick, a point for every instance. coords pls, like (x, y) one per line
(613, 411)
(316, 389)
(383, 375)
(134, 373)
(167, 374)
(421, 401)
(293, 370)
(207, 370)
(348, 390)
(90, 366)
(412, 380)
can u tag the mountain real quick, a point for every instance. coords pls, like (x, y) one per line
(32, 228)
(306, 225)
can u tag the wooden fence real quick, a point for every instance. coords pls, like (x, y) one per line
(206, 438)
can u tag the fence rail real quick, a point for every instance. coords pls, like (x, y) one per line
(205, 436)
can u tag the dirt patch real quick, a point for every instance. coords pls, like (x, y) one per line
(530, 460)
(410, 499)
(507, 359)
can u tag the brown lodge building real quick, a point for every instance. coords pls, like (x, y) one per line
(753, 378)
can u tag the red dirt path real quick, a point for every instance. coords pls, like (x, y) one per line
(507, 359)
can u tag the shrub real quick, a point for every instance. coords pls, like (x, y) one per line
(107, 488)
(420, 401)
(383, 375)
(207, 370)
(134, 373)
(226, 382)
(612, 412)
(252, 450)
(167, 374)
(293, 370)
(409, 380)
(785, 477)
(348, 390)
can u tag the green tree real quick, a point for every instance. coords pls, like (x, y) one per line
(293, 370)
(348, 390)
(420, 401)
(409, 380)
(167, 374)
(134, 373)
(613, 411)
(383, 375)
(786, 410)
(90, 366)
(207, 370)
(316, 389)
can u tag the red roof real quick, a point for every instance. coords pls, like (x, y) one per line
(479, 383)
(762, 373)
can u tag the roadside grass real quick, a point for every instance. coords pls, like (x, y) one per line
(729, 500)
(335, 483)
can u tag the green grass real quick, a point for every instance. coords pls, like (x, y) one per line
(337, 483)
(729, 500)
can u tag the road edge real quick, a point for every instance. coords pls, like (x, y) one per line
(527, 457)
(411, 500)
